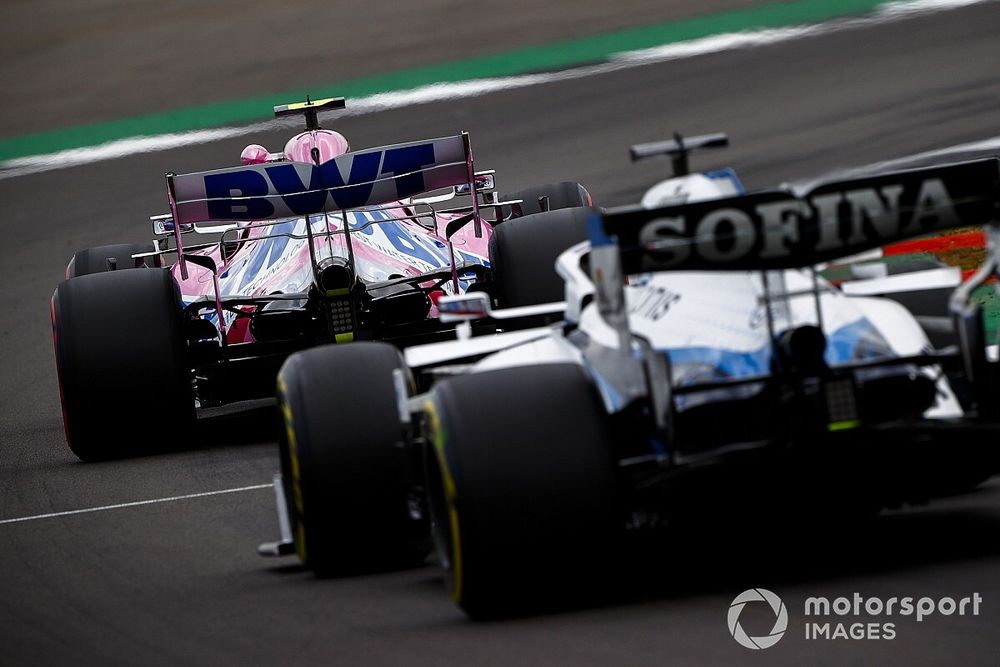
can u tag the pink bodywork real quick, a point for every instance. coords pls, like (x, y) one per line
(273, 257)
(383, 250)
(328, 143)
(299, 148)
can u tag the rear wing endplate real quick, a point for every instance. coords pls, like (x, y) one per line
(678, 149)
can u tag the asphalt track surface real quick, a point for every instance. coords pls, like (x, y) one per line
(69, 63)
(179, 582)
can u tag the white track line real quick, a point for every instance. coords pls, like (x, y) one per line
(891, 11)
(154, 501)
(977, 149)
(992, 144)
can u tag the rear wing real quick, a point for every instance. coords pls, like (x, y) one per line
(371, 177)
(288, 189)
(782, 230)
(771, 231)
(678, 149)
(776, 230)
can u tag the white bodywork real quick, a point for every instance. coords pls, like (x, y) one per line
(715, 322)
(691, 188)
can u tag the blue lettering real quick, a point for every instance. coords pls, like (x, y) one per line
(268, 250)
(243, 194)
(358, 188)
(361, 218)
(252, 203)
(431, 246)
(402, 242)
(466, 257)
(404, 164)
(301, 199)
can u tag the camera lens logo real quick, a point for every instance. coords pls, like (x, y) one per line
(780, 622)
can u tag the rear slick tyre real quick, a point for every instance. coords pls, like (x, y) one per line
(523, 254)
(101, 259)
(567, 194)
(120, 356)
(344, 462)
(522, 488)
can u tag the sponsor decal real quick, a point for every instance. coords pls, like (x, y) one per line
(363, 178)
(776, 230)
(653, 301)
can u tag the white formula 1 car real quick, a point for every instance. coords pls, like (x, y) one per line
(698, 362)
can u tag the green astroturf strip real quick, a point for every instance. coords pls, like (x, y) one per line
(553, 56)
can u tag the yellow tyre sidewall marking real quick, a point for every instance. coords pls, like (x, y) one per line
(437, 438)
(293, 455)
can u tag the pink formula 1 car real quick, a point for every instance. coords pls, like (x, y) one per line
(316, 244)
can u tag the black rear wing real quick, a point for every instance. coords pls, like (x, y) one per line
(771, 231)
(678, 149)
(781, 230)
(776, 230)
